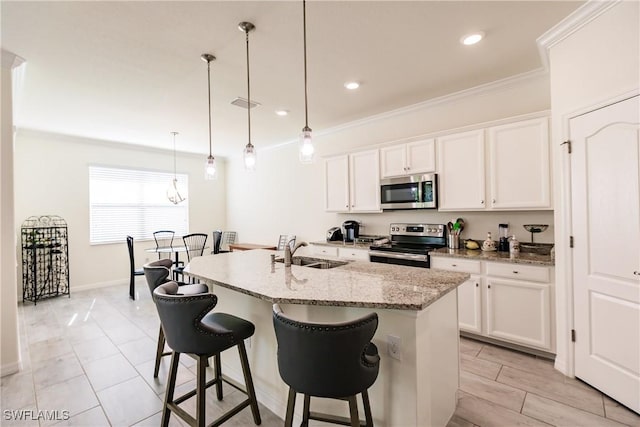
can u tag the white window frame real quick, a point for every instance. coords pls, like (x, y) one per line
(133, 202)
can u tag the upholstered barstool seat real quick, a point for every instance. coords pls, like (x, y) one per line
(191, 328)
(336, 361)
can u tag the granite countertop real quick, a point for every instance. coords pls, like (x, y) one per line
(522, 258)
(356, 284)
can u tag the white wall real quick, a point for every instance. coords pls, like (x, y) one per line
(52, 178)
(286, 197)
(594, 63)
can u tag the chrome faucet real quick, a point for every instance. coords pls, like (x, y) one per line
(288, 253)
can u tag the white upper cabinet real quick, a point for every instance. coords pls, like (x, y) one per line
(514, 174)
(461, 171)
(336, 172)
(519, 165)
(406, 159)
(352, 182)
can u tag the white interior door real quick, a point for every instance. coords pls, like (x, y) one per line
(605, 193)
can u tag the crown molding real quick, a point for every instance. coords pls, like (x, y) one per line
(569, 25)
(11, 60)
(78, 139)
(445, 99)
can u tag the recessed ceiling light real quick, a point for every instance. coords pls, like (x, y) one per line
(470, 39)
(282, 112)
(352, 85)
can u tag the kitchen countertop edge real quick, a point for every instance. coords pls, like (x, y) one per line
(495, 256)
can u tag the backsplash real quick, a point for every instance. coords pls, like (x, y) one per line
(477, 224)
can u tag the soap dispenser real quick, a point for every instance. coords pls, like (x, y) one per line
(514, 247)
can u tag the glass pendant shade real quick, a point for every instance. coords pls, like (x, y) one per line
(307, 151)
(210, 170)
(249, 155)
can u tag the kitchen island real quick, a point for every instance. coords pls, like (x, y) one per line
(416, 306)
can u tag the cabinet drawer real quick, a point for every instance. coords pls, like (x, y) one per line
(518, 271)
(456, 264)
(325, 250)
(355, 254)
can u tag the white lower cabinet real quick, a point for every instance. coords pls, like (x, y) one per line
(518, 311)
(325, 250)
(505, 301)
(353, 254)
(470, 305)
(342, 252)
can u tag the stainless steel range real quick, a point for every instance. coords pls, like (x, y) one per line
(410, 244)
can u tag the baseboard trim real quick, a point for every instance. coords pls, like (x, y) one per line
(10, 368)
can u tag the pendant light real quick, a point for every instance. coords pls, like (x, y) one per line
(172, 192)
(249, 153)
(307, 152)
(210, 170)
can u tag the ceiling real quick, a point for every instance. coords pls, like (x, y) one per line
(130, 71)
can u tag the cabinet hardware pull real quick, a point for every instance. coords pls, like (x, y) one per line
(454, 265)
(489, 286)
(477, 285)
(493, 200)
(515, 272)
(482, 202)
(637, 273)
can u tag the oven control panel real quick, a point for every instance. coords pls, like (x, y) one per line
(421, 230)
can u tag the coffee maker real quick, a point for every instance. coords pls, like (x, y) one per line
(350, 230)
(503, 233)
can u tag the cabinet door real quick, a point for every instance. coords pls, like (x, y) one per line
(519, 165)
(393, 161)
(337, 184)
(353, 253)
(461, 179)
(518, 311)
(421, 156)
(364, 173)
(469, 305)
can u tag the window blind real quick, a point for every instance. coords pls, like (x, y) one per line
(134, 202)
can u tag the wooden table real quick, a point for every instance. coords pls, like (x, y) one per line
(250, 246)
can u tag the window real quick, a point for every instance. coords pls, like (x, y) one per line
(134, 202)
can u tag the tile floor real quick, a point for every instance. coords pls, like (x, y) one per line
(93, 355)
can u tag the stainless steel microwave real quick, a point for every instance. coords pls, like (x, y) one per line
(409, 192)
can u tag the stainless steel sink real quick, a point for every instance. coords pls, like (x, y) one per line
(311, 262)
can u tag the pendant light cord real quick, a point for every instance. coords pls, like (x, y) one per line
(304, 35)
(174, 155)
(209, 87)
(248, 90)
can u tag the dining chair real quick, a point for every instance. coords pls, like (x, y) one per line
(164, 239)
(194, 244)
(227, 238)
(133, 270)
(328, 360)
(284, 239)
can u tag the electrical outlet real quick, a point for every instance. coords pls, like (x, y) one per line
(394, 347)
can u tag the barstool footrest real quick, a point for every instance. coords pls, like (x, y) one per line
(333, 419)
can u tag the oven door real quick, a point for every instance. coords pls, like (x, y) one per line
(412, 260)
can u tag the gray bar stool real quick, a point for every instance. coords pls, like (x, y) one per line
(336, 361)
(191, 328)
(157, 273)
